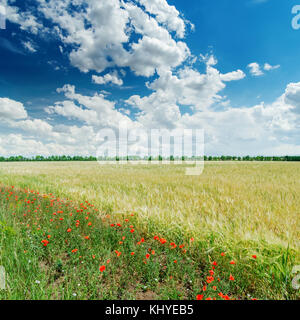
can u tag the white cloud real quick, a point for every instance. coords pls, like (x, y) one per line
(93, 110)
(255, 69)
(268, 67)
(29, 46)
(108, 78)
(99, 30)
(292, 96)
(166, 14)
(232, 76)
(26, 20)
(11, 110)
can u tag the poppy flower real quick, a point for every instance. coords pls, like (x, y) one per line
(254, 256)
(69, 230)
(147, 256)
(102, 268)
(162, 240)
(231, 278)
(74, 250)
(232, 262)
(45, 243)
(199, 297)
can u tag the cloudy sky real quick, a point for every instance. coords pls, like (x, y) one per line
(70, 68)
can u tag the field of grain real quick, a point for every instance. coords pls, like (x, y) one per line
(246, 209)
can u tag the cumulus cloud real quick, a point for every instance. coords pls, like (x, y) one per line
(99, 30)
(25, 19)
(166, 14)
(232, 76)
(292, 96)
(93, 110)
(12, 110)
(29, 46)
(268, 67)
(255, 69)
(108, 78)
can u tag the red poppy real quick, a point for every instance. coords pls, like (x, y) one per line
(102, 268)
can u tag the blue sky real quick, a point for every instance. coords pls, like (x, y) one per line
(230, 68)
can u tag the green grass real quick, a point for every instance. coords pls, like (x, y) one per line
(231, 222)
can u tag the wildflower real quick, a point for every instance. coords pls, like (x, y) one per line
(87, 237)
(45, 243)
(199, 296)
(102, 268)
(254, 256)
(232, 262)
(74, 250)
(132, 230)
(162, 240)
(132, 253)
(214, 263)
(147, 256)
(214, 288)
(204, 288)
(69, 230)
(222, 254)
(175, 261)
(153, 252)
(48, 236)
(37, 281)
(231, 278)
(192, 239)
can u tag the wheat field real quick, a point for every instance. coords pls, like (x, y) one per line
(241, 207)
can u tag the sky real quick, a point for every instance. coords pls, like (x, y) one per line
(69, 69)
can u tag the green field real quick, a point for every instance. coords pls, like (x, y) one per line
(246, 211)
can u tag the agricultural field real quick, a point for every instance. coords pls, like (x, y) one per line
(80, 230)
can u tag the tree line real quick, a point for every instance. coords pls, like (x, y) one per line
(159, 158)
